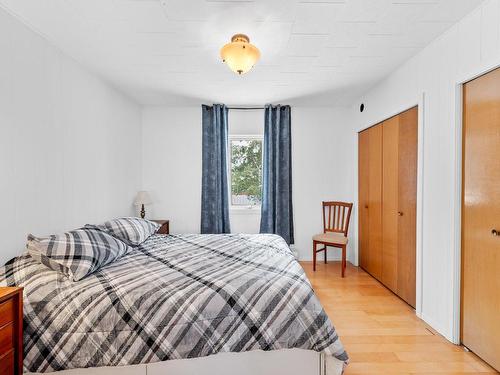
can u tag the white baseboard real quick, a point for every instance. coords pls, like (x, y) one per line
(438, 328)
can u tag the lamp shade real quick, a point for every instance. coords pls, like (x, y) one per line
(142, 198)
(240, 55)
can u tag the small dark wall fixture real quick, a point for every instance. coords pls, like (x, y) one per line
(362, 107)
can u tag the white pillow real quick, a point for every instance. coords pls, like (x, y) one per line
(131, 230)
(77, 253)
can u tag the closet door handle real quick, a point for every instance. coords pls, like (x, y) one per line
(495, 232)
(400, 213)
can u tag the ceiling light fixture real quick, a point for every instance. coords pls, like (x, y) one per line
(240, 55)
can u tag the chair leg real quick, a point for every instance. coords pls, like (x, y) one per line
(314, 255)
(325, 254)
(343, 260)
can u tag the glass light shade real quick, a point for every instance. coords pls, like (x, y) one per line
(240, 55)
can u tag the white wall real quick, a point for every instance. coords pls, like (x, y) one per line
(464, 51)
(323, 151)
(323, 167)
(69, 144)
(171, 144)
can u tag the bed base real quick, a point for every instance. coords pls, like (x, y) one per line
(277, 362)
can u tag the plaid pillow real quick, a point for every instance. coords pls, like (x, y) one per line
(131, 230)
(77, 253)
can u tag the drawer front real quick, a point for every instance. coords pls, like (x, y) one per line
(7, 363)
(6, 338)
(6, 312)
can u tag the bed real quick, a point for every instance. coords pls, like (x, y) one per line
(178, 304)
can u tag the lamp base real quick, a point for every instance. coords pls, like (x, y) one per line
(143, 212)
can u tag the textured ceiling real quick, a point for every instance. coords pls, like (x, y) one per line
(325, 52)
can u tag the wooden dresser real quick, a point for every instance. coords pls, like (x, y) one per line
(11, 331)
(165, 226)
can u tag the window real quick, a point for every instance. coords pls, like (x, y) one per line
(246, 171)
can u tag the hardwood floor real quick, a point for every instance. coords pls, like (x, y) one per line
(380, 332)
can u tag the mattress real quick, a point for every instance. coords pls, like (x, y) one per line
(172, 297)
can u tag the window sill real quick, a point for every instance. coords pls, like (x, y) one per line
(244, 210)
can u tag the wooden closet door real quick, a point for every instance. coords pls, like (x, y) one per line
(390, 207)
(363, 197)
(407, 205)
(481, 218)
(375, 202)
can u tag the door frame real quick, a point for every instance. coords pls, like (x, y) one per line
(457, 235)
(420, 103)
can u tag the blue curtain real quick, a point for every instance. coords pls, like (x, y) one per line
(277, 210)
(215, 194)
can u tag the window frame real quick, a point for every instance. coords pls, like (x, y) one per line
(250, 209)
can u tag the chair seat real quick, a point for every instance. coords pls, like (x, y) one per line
(333, 238)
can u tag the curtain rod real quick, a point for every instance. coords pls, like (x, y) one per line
(246, 108)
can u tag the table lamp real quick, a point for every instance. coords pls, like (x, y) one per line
(142, 199)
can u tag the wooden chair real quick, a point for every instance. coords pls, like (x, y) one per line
(336, 216)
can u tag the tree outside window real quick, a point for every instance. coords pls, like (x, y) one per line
(246, 171)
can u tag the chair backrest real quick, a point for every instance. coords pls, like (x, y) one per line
(336, 216)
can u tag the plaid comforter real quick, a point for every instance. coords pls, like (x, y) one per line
(176, 296)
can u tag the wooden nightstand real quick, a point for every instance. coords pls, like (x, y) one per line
(165, 226)
(11, 331)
